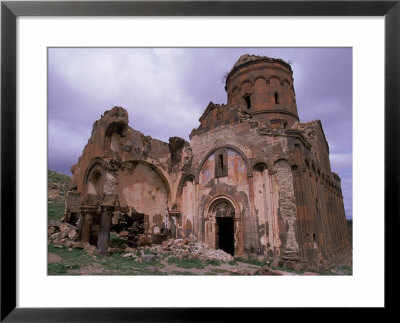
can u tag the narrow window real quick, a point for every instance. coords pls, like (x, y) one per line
(276, 98)
(221, 162)
(247, 101)
(315, 240)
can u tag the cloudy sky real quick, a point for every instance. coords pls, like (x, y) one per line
(165, 91)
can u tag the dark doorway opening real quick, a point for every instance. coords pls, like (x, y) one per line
(247, 101)
(225, 234)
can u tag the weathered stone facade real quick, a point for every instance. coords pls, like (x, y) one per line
(253, 181)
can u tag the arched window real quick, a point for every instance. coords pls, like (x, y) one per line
(221, 163)
(247, 101)
(276, 97)
(260, 167)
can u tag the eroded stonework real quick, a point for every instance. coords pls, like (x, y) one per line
(253, 181)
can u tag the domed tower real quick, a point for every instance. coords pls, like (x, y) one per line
(263, 86)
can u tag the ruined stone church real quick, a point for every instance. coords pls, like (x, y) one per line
(252, 181)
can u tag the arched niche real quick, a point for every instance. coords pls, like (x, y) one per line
(274, 91)
(144, 189)
(287, 98)
(210, 160)
(95, 183)
(222, 225)
(112, 136)
(222, 208)
(260, 167)
(260, 93)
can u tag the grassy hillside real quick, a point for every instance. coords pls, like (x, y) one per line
(57, 188)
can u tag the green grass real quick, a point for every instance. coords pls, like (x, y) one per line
(55, 211)
(126, 266)
(252, 261)
(57, 177)
(192, 262)
(147, 252)
(74, 259)
(60, 268)
(56, 205)
(186, 262)
(114, 264)
(212, 262)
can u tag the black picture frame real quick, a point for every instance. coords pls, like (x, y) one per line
(10, 10)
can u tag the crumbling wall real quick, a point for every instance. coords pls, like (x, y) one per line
(266, 208)
(144, 190)
(125, 171)
(189, 206)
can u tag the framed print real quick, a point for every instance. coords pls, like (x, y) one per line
(31, 31)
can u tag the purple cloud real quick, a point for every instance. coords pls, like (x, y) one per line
(165, 91)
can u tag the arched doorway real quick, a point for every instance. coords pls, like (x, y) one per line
(224, 213)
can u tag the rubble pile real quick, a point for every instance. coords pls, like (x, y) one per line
(61, 233)
(129, 228)
(181, 248)
(64, 234)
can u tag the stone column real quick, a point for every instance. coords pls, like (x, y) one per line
(237, 236)
(103, 241)
(87, 214)
(288, 210)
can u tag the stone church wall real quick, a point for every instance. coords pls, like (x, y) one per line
(253, 180)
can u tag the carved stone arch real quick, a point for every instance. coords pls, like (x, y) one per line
(219, 209)
(95, 181)
(96, 165)
(213, 201)
(160, 173)
(281, 158)
(275, 91)
(285, 80)
(292, 165)
(213, 150)
(251, 82)
(274, 77)
(233, 95)
(260, 77)
(259, 165)
(182, 182)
